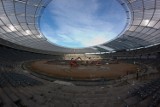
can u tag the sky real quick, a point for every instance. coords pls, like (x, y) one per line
(82, 23)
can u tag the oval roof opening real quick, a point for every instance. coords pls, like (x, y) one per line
(82, 23)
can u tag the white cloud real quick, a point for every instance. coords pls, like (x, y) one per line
(96, 40)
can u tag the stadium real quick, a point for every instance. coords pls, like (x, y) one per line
(122, 72)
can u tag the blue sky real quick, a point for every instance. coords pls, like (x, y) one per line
(82, 23)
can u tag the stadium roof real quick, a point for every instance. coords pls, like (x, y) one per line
(19, 24)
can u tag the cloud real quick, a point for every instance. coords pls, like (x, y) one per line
(80, 22)
(96, 40)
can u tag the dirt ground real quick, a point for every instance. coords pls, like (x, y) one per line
(109, 71)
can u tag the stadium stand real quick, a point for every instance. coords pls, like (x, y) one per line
(21, 42)
(19, 88)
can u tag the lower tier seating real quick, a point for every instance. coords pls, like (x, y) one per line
(17, 79)
(21, 89)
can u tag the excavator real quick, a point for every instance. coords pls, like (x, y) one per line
(74, 62)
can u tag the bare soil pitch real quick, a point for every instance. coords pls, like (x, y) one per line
(109, 71)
